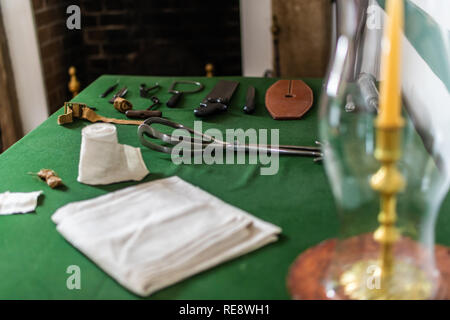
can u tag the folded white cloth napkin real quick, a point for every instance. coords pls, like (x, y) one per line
(18, 202)
(155, 234)
(103, 160)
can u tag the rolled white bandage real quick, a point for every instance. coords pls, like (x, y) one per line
(103, 160)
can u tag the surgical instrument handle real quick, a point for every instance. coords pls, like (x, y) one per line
(174, 99)
(143, 114)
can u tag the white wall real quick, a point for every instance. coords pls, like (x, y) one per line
(26, 64)
(256, 37)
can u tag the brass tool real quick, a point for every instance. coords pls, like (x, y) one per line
(75, 110)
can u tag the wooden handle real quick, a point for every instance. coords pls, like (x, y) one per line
(119, 121)
(174, 100)
(143, 114)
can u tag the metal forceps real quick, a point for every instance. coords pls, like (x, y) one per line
(177, 93)
(200, 141)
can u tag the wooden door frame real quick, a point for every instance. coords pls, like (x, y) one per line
(10, 124)
(302, 37)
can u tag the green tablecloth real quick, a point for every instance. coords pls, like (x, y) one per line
(34, 256)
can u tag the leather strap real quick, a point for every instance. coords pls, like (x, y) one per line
(217, 100)
(223, 90)
(75, 110)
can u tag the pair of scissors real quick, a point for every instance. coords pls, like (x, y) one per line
(200, 141)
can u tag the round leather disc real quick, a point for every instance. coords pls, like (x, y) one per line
(288, 99)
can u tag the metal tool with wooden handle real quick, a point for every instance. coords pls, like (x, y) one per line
(249, 107)
(143, 114)
(177, 94)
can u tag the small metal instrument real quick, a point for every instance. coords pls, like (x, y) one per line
(110, 89)
(366, 83)
(144, 91)
(177, 94)
(200, 141)
(249, 107)
(119, 94)
(369, 91)
(155, 101)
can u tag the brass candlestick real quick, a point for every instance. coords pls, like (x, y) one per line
(376, 255)
(388, 181)
(398, 279)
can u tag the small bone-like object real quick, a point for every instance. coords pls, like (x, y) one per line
(50, 177)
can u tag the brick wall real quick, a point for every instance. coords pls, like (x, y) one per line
(59, 48)
(171, 37)
(143, 37)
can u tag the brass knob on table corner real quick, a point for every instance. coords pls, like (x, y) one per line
(74, 84)
(209, 68)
